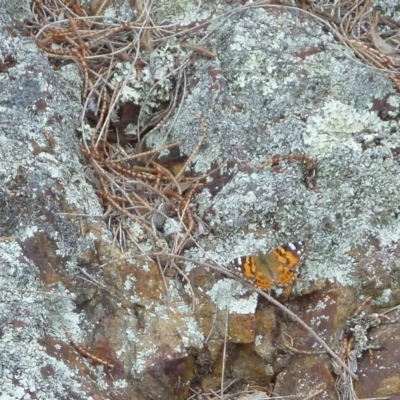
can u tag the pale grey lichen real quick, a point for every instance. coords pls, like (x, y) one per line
(388, 7)
(186, 328)
(141, 357)
(121, 14)
(184, 12)
(226, 293)
(383, 299)
(317, 104)
(337, 121)
(258, 340)
(153, 86)
(190, 333)
(33, 358)
(42, 179)
(249, 116)
(394, 101)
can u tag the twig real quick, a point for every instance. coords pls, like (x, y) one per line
(85, 353)
(224, 350)
(275, 303)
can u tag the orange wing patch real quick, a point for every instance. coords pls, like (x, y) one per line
(286, 276)
(263, 283)
(249, 267)
(284, 255)
(277, 267)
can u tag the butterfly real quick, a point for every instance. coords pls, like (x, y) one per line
(276, 267)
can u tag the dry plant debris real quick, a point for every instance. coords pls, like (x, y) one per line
(134, 74)
(373, 38)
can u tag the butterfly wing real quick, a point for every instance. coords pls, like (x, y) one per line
(251, 268)
(277, 266)
(288, 259)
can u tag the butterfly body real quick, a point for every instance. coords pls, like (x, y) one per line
(276, 267)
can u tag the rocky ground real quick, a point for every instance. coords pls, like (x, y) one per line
(83, 316)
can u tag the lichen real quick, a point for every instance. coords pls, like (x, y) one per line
(227, 293)
(318, 104)
(42, 190)
(121, 14)
(388, 7)
(152, 87)
(337, 121)
(184, 12)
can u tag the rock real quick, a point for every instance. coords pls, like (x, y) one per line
(281, 85)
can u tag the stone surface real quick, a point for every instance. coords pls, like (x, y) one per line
(280, 85)
(297, 91)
